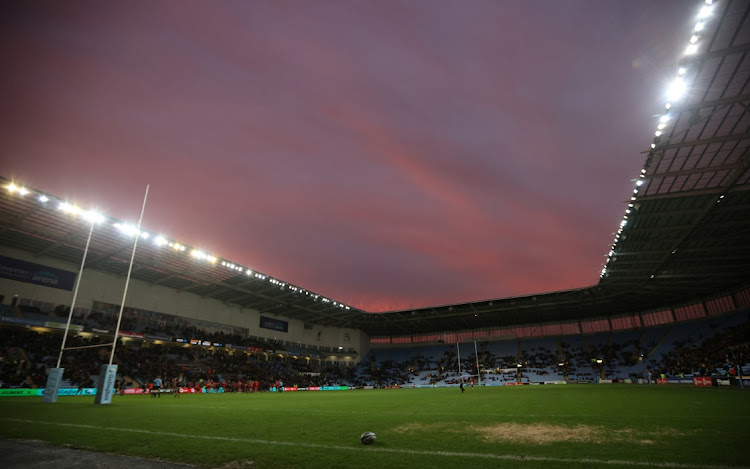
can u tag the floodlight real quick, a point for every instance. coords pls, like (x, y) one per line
(693, 39)
(705, 12)
(691, 49)
(12, 188)
(160, 241)
(43, 198)
(677, 89)
(658, 133)
(639, 182)
(129, 230)
(93, 217)
(664, 118)
(699, 26)
(68, 208)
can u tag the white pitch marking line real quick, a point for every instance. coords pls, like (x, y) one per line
(507, 457)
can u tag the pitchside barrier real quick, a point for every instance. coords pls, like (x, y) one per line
(697, 381)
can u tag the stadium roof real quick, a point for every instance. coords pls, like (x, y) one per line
(685, 233)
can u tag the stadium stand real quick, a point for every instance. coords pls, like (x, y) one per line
(707, 347)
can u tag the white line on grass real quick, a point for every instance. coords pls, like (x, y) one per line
(506, 457)
(463, 414)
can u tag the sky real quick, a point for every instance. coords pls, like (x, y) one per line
(389, 154)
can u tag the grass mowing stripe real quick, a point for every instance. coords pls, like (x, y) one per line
(506, 457)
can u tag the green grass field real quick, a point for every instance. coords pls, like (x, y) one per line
(542, 426)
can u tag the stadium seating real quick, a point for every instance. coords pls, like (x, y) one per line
(710, 345)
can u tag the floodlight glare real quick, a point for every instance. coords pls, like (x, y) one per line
(676, 90)
(705, 12)
(68, 208)
(691, 49)
(693, 39)
(129, 230)
(14, 188)
(43, 198)
(93, 217)
(658, 133)
(639, 182)
(664, 118)
(699, 26)
(160, 241)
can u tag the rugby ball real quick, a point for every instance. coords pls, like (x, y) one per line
(368, 438)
